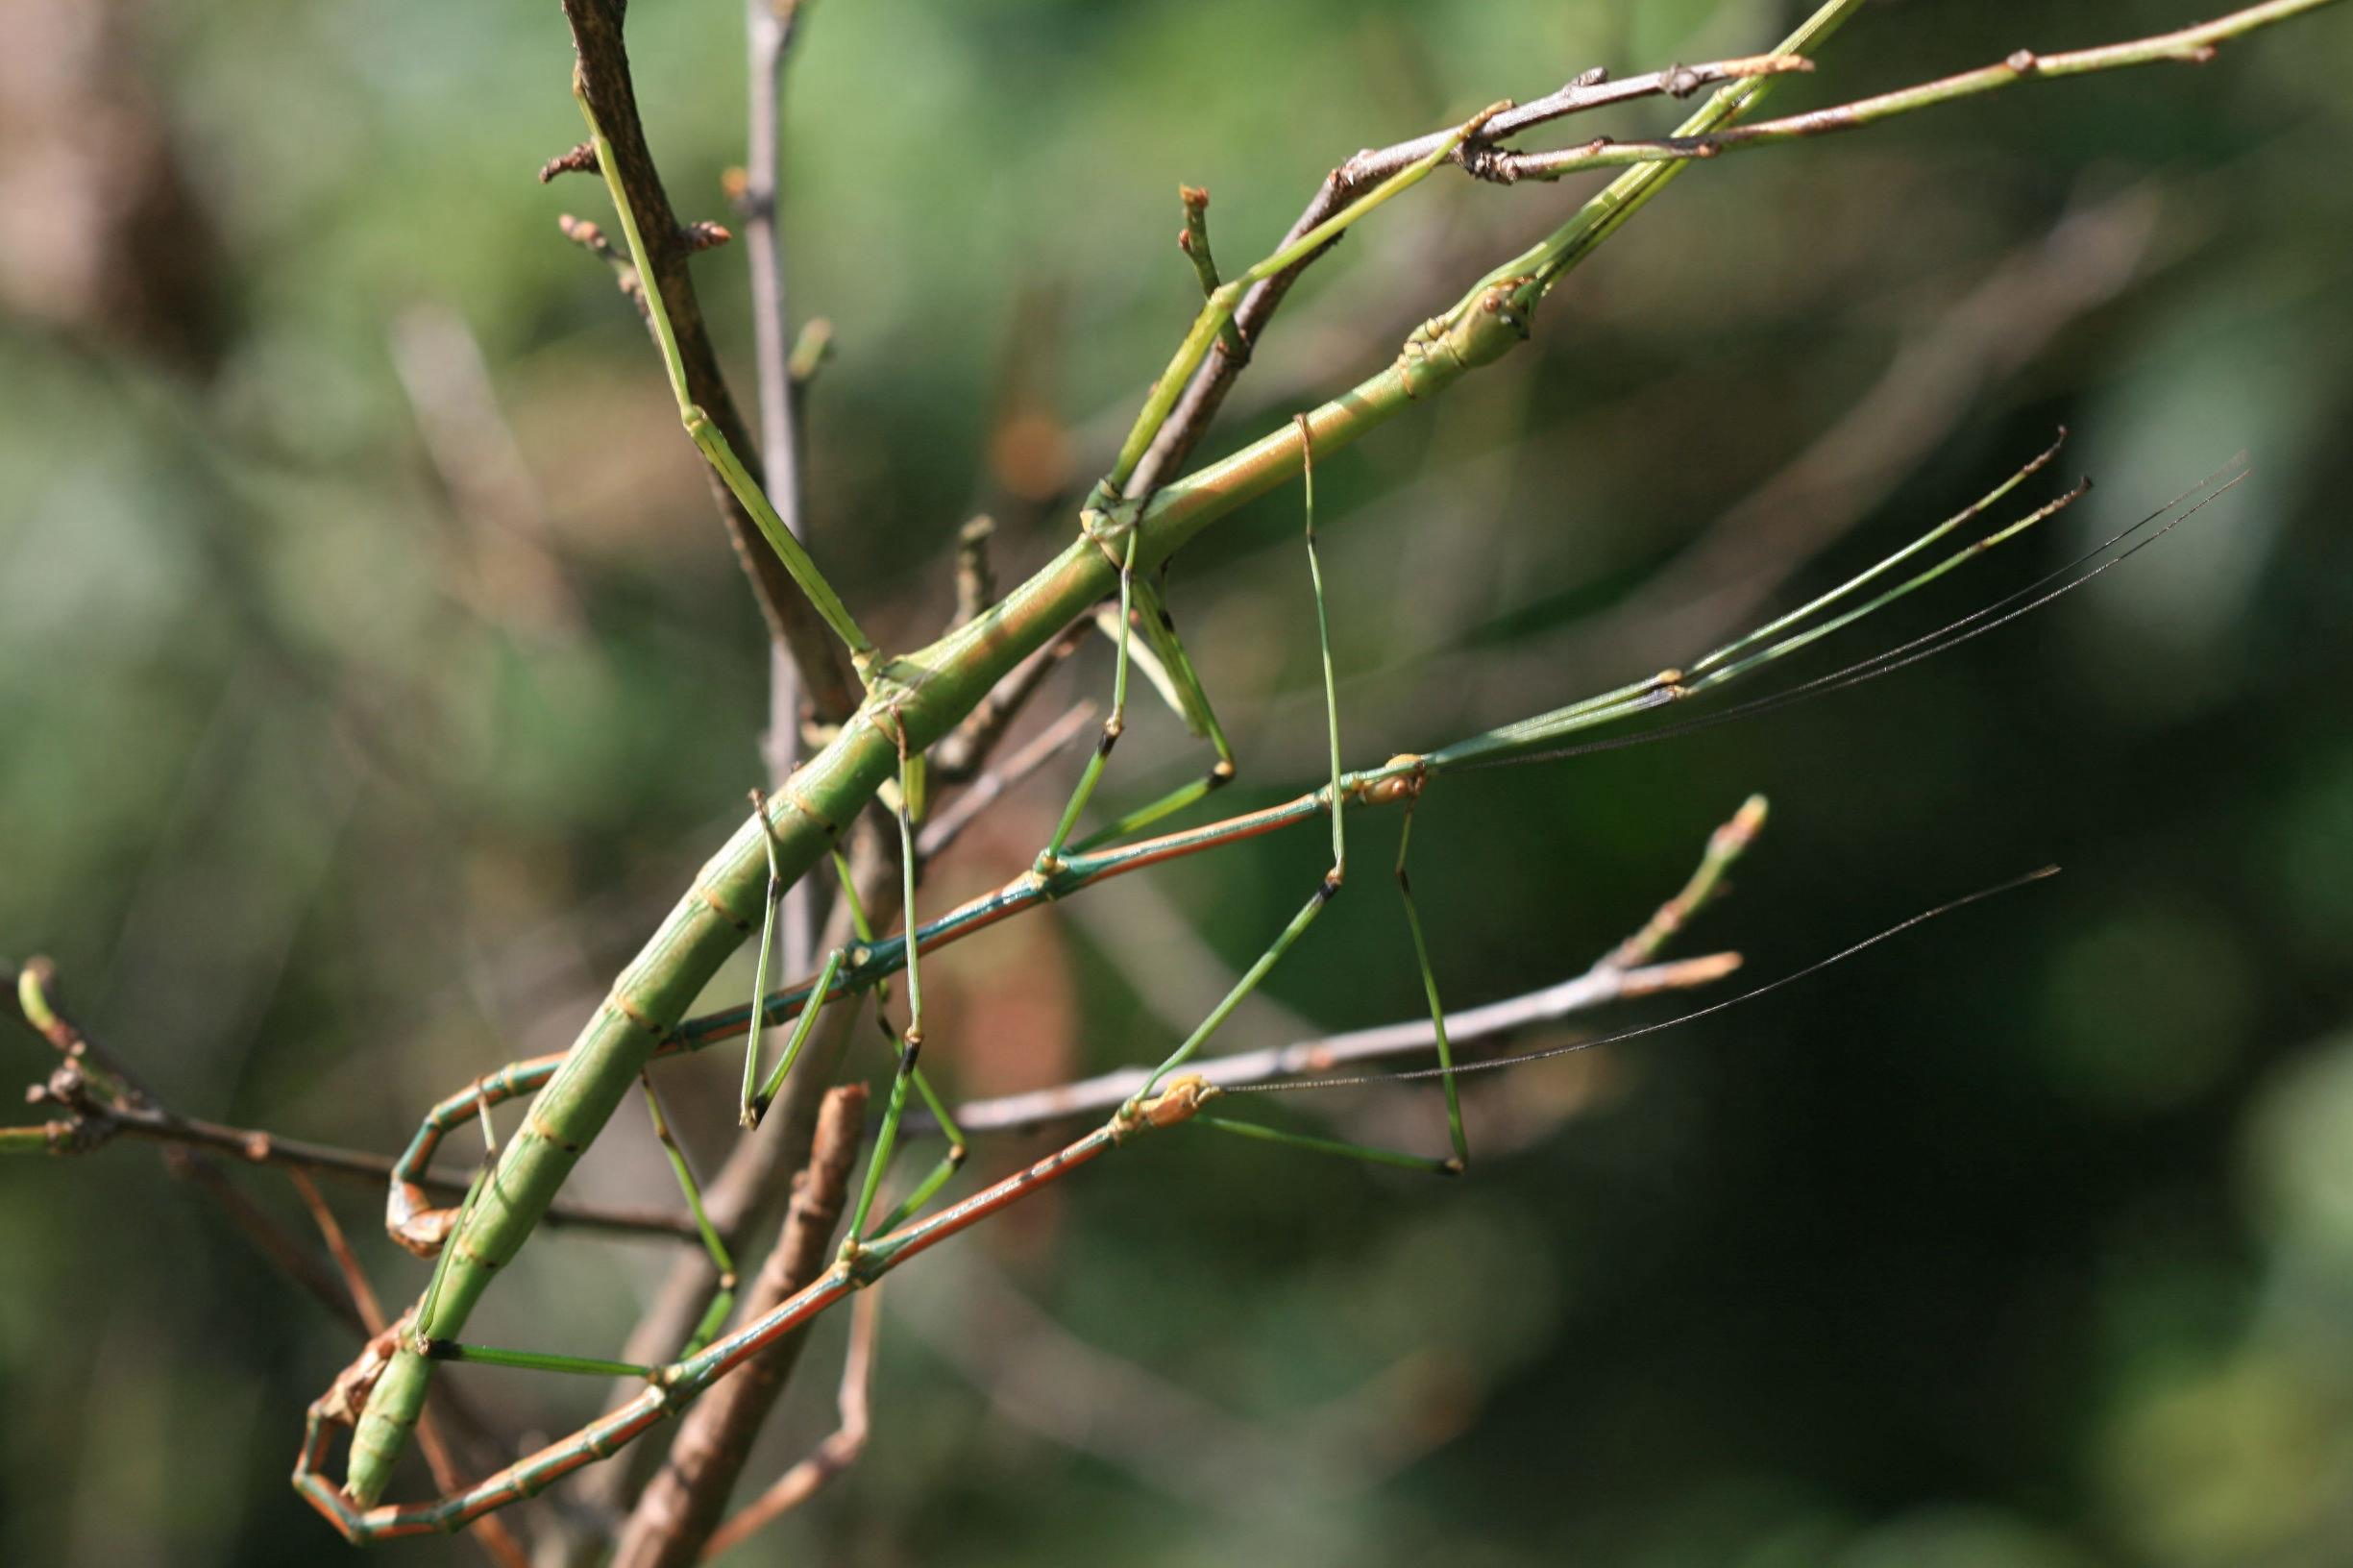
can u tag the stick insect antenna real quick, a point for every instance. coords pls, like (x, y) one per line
(2011, 606)
(1523, 1058)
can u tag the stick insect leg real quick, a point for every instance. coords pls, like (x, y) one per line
(1171, 670)
(705, 434)
(410, 1214)
(1049, 859)
(1430, 988)
(751, 1103)
(1324, 892)
(722, 1300)
(819, 995)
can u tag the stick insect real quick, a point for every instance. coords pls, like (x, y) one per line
(913, 699)
(1171, 1097)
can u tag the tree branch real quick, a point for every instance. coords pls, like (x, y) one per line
(604, 77)
(2186, 46)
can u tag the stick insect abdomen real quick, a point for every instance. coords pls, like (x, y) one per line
(701, 931)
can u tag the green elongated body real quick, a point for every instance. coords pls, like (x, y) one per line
(916, 699)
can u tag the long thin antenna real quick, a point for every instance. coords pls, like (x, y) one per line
(1887, 662)
(1521, 1058)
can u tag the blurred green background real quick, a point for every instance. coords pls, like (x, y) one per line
(374, 673)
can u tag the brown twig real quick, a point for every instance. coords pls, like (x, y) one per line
(682, 1505)
(1597, 987)
(1190, 419)
(605, 78)
(835, 1454)
(256, 1147)
(103, 1098)
(2185, 46)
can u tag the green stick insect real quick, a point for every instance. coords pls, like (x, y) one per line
(911, 702)
(1170, 1097)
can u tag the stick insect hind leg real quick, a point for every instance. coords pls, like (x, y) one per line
(910, 1043)
(1337, 794)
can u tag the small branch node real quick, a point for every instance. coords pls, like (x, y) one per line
(582, 159)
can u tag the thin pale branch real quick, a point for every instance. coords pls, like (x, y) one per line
(1597, 987)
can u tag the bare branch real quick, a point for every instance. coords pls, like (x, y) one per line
(1199, 406)
(992, 784)
(604, 78)
(1597, 987)
(682, 1505)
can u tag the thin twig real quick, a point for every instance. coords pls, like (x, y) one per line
(1199, 406)
(604, 78)
(256, 1147)
(1597, 986)
(1623, 972)
(681, 1507)
(2186, 46)
(995, 783)
(770, 28)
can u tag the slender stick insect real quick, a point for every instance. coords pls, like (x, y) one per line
(1170, 1098)
(913, 699)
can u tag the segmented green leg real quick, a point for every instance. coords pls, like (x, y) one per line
(1171, 672)
(751, 1103)
(723, 1302)
(1429, 988)
(910, 1046)
(819, 995)
(1049, 859)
